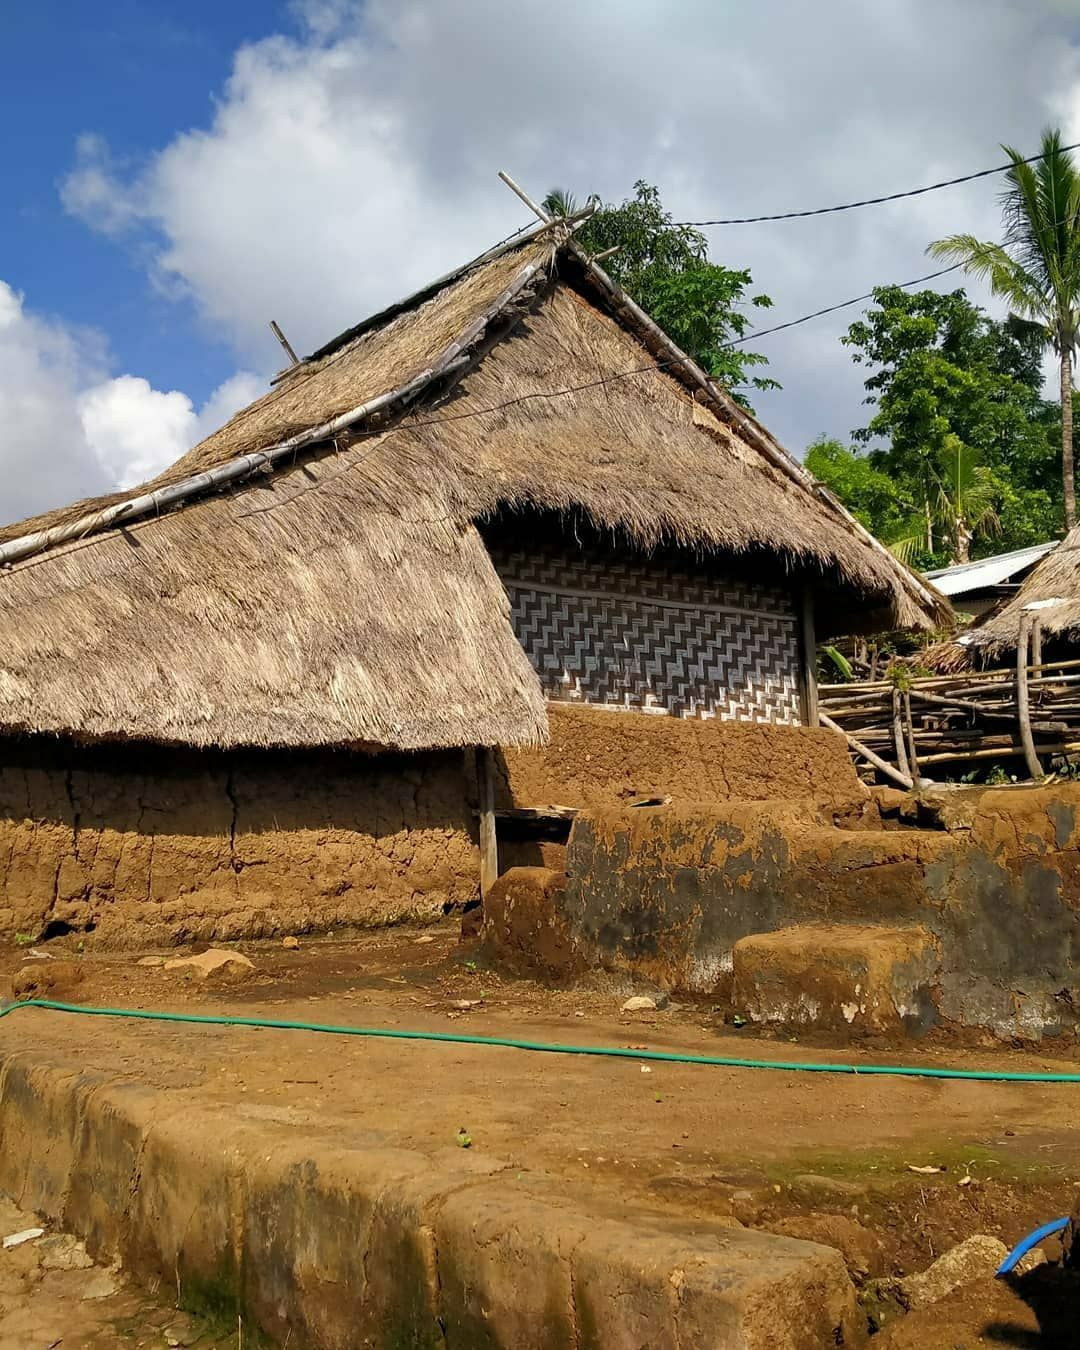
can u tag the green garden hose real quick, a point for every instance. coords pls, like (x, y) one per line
(544, 1047)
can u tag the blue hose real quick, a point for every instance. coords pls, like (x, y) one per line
(1032, 1240)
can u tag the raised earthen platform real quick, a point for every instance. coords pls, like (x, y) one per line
(318, 1185)
(961, 907)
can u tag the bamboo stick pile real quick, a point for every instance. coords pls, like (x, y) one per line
(947, 725)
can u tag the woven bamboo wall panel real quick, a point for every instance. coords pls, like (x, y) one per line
(618, 633)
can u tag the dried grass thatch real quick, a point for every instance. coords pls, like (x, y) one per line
(346, 597)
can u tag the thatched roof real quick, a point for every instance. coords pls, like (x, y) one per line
(313, 574)
(1051, 592)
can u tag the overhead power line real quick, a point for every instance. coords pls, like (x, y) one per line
(844, 304)
(873, 201)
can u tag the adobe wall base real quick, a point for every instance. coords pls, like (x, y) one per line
(341, 1240)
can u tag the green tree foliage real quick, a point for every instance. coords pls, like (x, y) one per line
(871, 494)
(1037, 269)
(958, 455)
(666, 268)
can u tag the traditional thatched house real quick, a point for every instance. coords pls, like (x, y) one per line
(506, 489)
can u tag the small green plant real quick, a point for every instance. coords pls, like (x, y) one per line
(998, 777)
(471, 967)
(463, 1138)
(832, 661)
(24, 939)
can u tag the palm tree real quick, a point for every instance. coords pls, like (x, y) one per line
(1037, 269)
(960, 495)
(559, 202)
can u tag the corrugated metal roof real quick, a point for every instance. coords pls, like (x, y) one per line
(979, 576)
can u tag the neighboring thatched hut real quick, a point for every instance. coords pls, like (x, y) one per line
(1049, 596)
(509, 488)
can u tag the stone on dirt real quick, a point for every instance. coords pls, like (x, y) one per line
(834, 1187)
(151, 961)
(41, 979)
(976, 1258)
(61, 1251)
(100, 1285)
(640, 1003)
(291, 944)
(214, 964)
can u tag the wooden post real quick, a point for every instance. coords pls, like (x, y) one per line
(808, 658)
(1023, 711)
(489, 844)
(898, 736)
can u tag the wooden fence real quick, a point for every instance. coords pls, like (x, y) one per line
(949, 725)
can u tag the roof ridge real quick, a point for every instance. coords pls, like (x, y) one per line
(449, 360)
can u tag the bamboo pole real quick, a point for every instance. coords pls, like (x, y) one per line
(1000, 752)
(898, 736)
(981, 678)
(913, 753)
(885, 767)
(1023, 712)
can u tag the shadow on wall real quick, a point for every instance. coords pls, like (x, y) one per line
(145, 844)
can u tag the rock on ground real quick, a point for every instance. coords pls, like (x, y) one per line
(44, 979)
(214, 965)
(639, 1003)
(976, 1258)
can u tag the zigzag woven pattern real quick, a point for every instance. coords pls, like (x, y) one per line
(613, 632)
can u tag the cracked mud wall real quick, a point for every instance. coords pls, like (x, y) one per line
(152, 845)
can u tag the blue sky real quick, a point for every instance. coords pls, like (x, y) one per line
(176, 175)
(136, 73)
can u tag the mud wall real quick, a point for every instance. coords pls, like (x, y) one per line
(666, 893)
(148, 845)
(599, 757)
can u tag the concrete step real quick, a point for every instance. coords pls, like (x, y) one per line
(838, 977)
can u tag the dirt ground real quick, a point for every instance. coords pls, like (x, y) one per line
(813, 1155)
(53, 1297)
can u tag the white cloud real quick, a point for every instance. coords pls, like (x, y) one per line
(46, 460)
(352, 162)
(69, 430)
(89, 190)
(136, 431)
